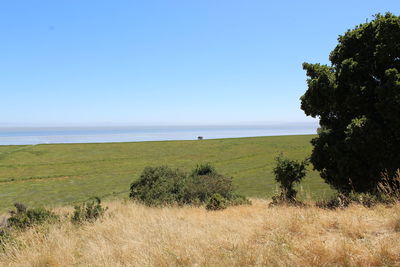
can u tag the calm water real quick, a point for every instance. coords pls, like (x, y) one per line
(24, 136)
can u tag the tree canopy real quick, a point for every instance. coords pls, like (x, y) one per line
(357, 100)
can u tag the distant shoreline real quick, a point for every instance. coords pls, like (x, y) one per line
(62, 135)
(154, 141)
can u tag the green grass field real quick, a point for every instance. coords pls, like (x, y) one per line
(49, 175)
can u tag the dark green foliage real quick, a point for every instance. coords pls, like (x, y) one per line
(287, 174)
(163, 186)
(204, 169)
(88, 211)
(21, 208)
(23, 217)
(205, 182)
(357, 100)
(159, 186)
(216, 202)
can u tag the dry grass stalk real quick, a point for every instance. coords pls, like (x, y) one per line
(135, 235)
(390, 186)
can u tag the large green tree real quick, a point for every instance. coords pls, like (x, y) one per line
(357, 100)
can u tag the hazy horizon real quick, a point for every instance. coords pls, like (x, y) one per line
(105, 134)
(160, 124)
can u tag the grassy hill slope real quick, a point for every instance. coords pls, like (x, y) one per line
(67, 173)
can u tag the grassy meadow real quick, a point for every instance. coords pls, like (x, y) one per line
(59, 174)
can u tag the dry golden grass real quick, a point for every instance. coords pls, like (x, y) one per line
(134, 235)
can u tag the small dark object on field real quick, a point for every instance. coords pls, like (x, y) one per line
(200, 138)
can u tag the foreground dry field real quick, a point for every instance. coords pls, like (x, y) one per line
(256, 235)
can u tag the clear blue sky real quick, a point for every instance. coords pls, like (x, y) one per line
(77, 62)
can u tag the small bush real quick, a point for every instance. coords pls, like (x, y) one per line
(159, 186)
(203, 169)
(21, 208)
(88, 211)
(205, 182)
(343, 200)
(163, 185)
(216, 202)
(287, 174)
(387, 192)
(365, 199)
(337, 201)
(23, 217)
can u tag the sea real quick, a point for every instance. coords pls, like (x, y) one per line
(105, 134)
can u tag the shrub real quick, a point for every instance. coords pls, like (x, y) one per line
(205, 182)
(163, 185)
(387, 192)
(216, 202)
(23, 217)
(88, 211)
(287, 174)
(337, 201)
(203, 169)
(159, 186)
(343, 200)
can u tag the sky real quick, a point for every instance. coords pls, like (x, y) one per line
(74, 63)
